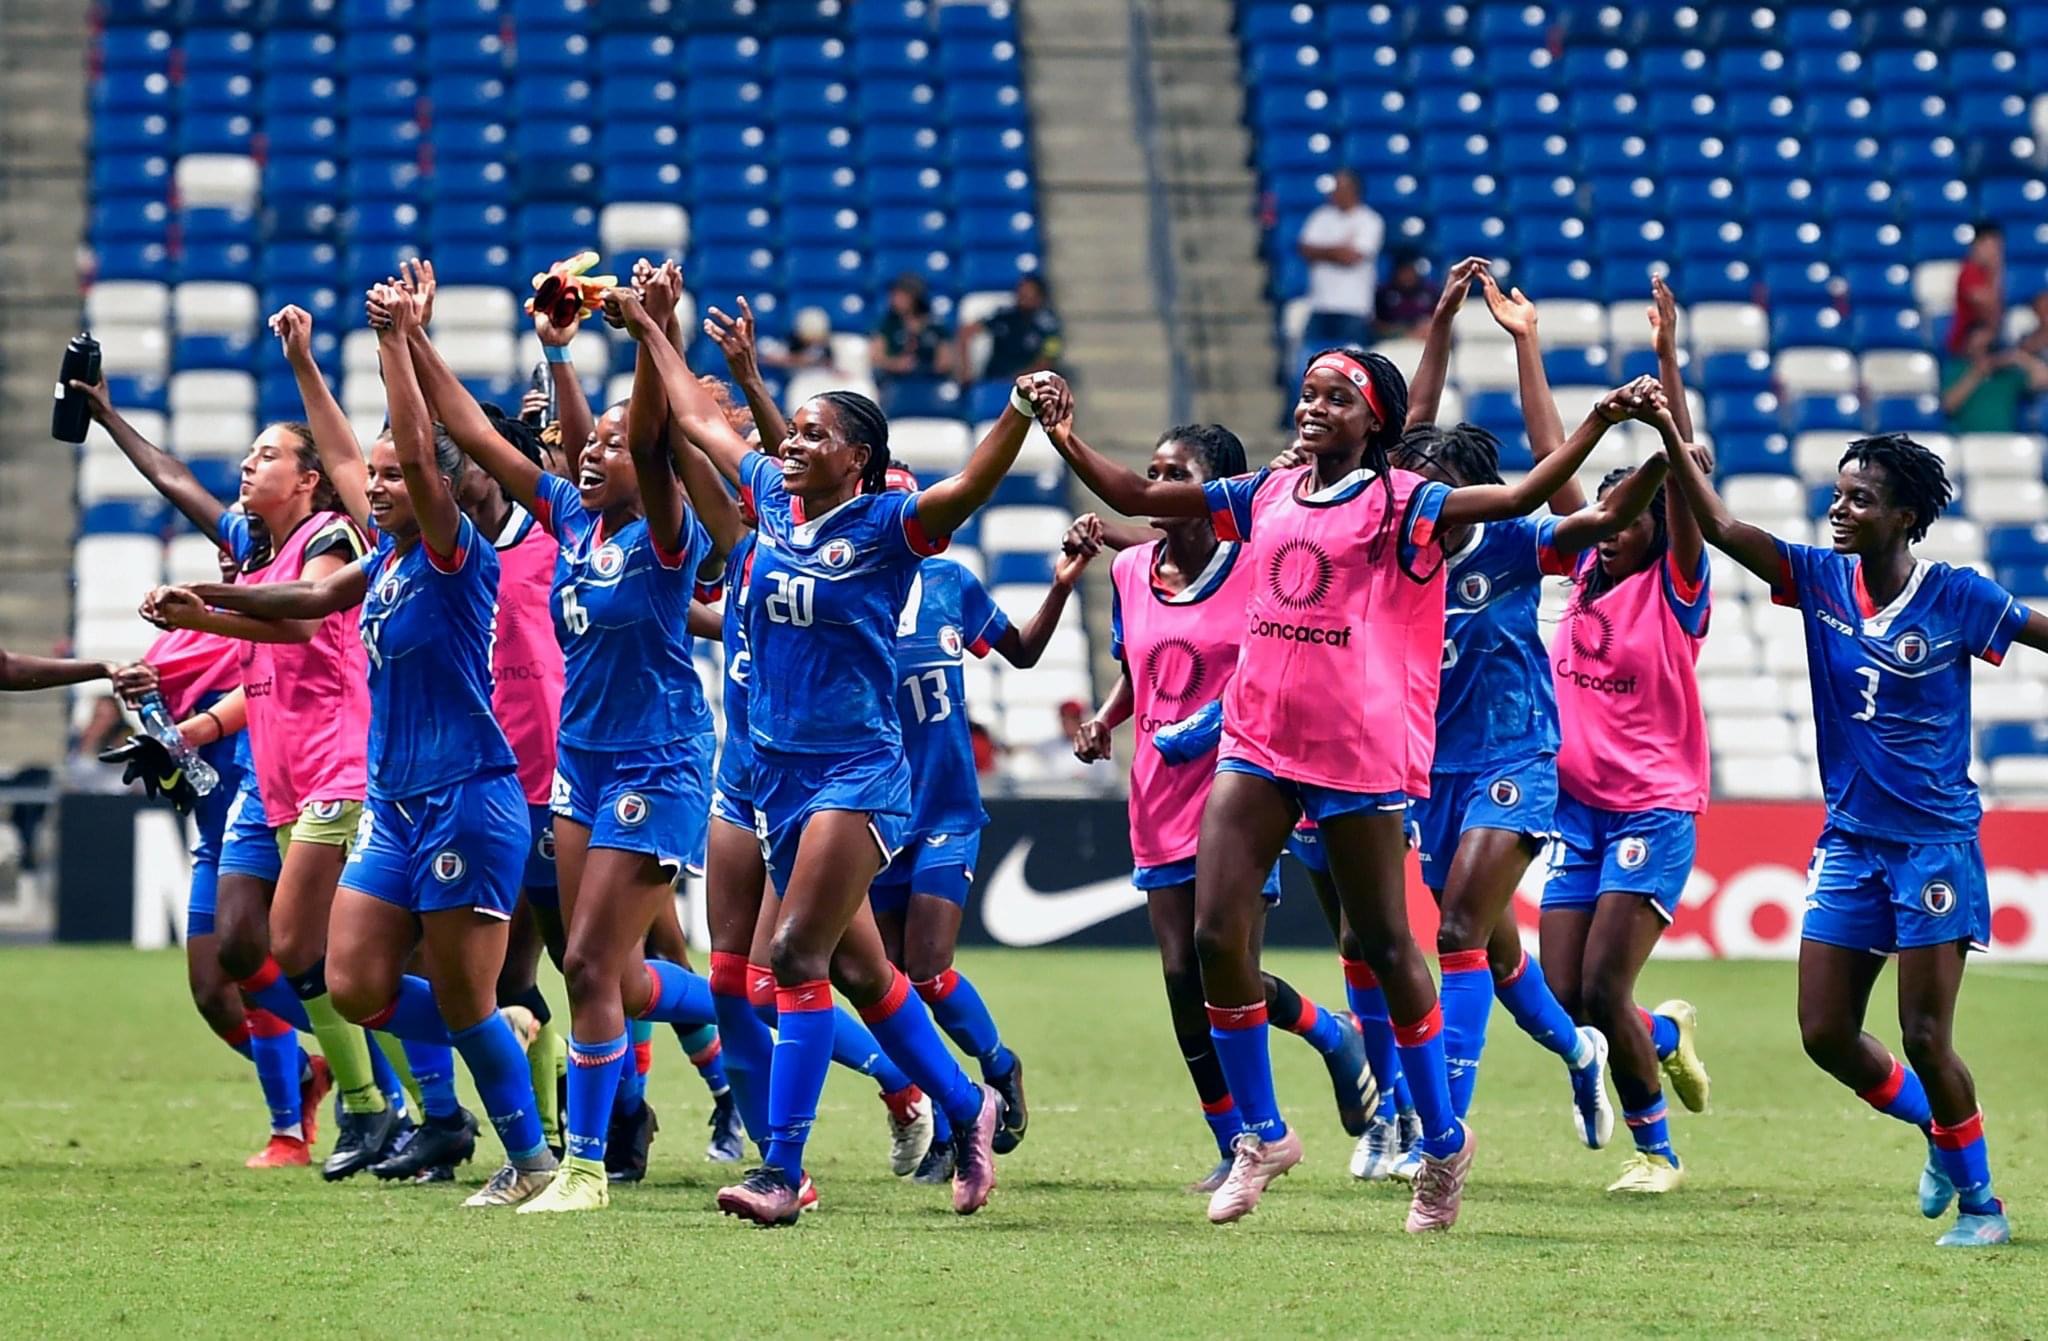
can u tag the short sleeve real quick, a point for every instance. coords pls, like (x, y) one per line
(1795, 574)
(236, 534)
(465, 544)
(1230, 503)
(1550, 561)
(1989, 615)
(899, 512)
(1116, 622)
(1686, 593)
(338, 537)
(556, 507)
(1425, 509)
(761, 488)
(981, 619)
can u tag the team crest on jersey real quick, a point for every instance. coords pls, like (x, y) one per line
(949, 640)
(325, 811)
(609, 561)
(1911, 648)
(387, 590)
(1504, 792)
(1592, 631)
(1474, 588)
(448, 866)
(630, 809)
(1175, 669)
(1301, 575)
(1938, 898)
(546, 845)
(1632, 853)
(836, 553)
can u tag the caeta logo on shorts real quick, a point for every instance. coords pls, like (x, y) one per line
(1632, 853)
(448, 866)
(1939, 897)
(325, 811)
(837, 554)
(608, 561)
(1504, 792)
(630, 809)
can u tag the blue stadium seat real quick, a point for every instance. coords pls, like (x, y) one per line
(575, 16)
(1906, 414)
(1872, 327)
(1732, 414)
(1820, 26)
(1745, 452)
(1674, 66)
(132, 260)
(388, 52)
(818, 142)
(1746, 371)
(459, 178)
(232, 352)
(136, 52)
(216, 133)
(126, 219)
(125, 516)
(219, 52)
(2002, 739)
(300, 263)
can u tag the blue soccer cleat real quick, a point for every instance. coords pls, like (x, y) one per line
(1937, 1192)
(1986, 1230)
(1592, 1111)
(1351, 1075)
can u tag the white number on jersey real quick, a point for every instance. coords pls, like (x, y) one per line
(792, 600)
(574, 617)
(1870, 677)
(941, 705)
(1450, 654)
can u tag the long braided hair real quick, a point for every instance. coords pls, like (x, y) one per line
(1467, 453)
(1594, 582)
(1390, 392)
(1221, 451)
(1914, 473)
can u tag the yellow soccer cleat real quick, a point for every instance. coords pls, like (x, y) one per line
(1648, 1173)
(512, 1186)
(579, 1185)
(1683, 1068)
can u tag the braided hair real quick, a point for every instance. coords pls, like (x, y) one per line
(1595, 582)
(1913, 472)
(1390, 393)
(1467, 453)
(1220, 450)
(863, 424)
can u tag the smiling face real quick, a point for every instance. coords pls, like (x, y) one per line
(817, 459)
(1863, 519)
(390, 504)
(272, 478)
(604, 473)
(1332, 418)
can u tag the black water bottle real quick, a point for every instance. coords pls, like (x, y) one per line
(71, 415)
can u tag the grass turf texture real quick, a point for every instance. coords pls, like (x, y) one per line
(124, 1209)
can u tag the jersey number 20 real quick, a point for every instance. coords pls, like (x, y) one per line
(791, 601)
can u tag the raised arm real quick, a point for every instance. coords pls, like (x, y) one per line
(709, 498)
(734, 337)
(457, 411)
(647, 412)
(397, 315)
(1610, 516)
(341, 456)
(1123, 488)
(1492, 502)
(1664, 339)
(1517, 316)
(2034, 633)
(1753, 547)
(944, 507)
(572, 407)
(1023, 647)
(166, 473)
(691, 408)
(1426, 388)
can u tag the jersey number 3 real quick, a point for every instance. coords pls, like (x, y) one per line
(792, 600)
(1869, 709)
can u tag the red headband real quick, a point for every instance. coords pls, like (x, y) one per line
(1352, 371)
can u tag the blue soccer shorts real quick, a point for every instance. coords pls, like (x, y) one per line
(1168, 874)
(248, 844)
(1520, 798)
(789, 789)
(653, 801)
(1319, 803)
(1646, 852)
(1868, 894)
(460, 847)
(939, 864)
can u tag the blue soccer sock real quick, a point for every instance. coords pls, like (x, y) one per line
(1225, 1124)
(1901, 1095)
(942, 1126)
(1466, 1003)
(412, 1015)
(274, 1048)
(270, 989)
(632, 1091)
(1240, 1033)
(385, 1076)
(961, 1012)
(1967, 1162)
(904, 1028)
(1369, 1008)
(1663, 1032)
(748, 1045)
(1536, 1008)
(433, 1070)
(675, 995)
(854, 1046)
(1289, 1009)
(498, 1066)
(1421, 1043)
(1650, 1127)
(1219, 1110)
(803, 1054)
(700, 1043)
(593, 1078)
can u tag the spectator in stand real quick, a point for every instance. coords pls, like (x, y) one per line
(1341, 243)
(912, 351)
(1023, 337)
(1980, 294)
(2036, 341)
(1404, 304)
(809, 344)
(1986, 392)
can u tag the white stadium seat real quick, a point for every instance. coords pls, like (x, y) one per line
(1817, 454)
(120, 636)
(2020, 775)
(137, 351)
(485, 353)
(1784, 652)
(102, 478)
(2007, 698)
(1404, 353)
(1023, 530)
(1571, 322)
(969, 558)
(1736, 694)
(929, 445)
(985, 303)
(2006, 502)
(1900, 372)
(590, 350)
(1816, 372)
(475, 307)
(1037, 455)
(367, 427)
(1484, 365)
(359, 351)
(152, 426)
(852, 354)
(1764, 499)
(1475, 325)
(654, 228)
(206, 307)
(1728, 654)
(212, 433)
(1934, 287)
(1718, 327)
(114, 572)
(2006, 455)
(223, 181)
(1772, 777)
(1628, 324)
(809, 382)
(362, 393)
(1956, 540)
(130, 302)
(191, 558)
(212, 390)
(1749, 733)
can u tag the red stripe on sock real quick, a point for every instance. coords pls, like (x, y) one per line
(643, 1056)
(263, 977)
(382, 1017)
(760, 985)
(1356, 974)
(728, 973)
(1646, 1117)
(1310, 1013)
(1886, 1090)
(939, 988)
(1219, 1107)
(1649, 1022)
(1420, 1031)
(580, 1058)
(1520, 969)
(263, 1024)
(237, 1037)
(1966, 1132)
(703, 1057)
(1463, 961)
(653, 991)
(902, 1104)
(815, 995)
(1237, 1017)
(891, 1002)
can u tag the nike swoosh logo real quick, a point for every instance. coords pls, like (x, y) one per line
(1016, 913)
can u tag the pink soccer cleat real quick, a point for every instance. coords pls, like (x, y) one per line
(765, 1197)
(974, 1156)
(807, 1195)
(1254, 1165)
(1440, 1188)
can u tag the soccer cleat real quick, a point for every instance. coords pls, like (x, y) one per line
(511, 1186)
(1592, 1110)
(434, 1146)
(1645, 1172)
(937, 1168)
(1351, 1075)
(910, 1129)
(434, 1173)
(763, 1196)
(578, 1185)
(1254, 1164)
(361, 1139)
(1377, 1151)
(1016, 1117)
(313, 1089)
(282, 1152)
(807, 1195)
(1937, 1192)
(728, 1134)
(974, 1155)
(627, 1143)
(1440, 1188)
(1986, 1230)
(1206, 1185)
(1407, 1166)
(1683, 1068)
(1409, 1161)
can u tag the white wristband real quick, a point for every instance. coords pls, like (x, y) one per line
(1022, 404)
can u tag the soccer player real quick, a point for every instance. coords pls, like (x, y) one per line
(1348, 591)
(1175, 625)
(1897, 869)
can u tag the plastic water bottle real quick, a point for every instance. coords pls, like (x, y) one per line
(156, 719)
(71, 416)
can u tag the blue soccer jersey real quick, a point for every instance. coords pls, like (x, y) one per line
(821, 614)
(427, 626)
(1891, 690)
(739, 567)
(1496, 702)
(622, 609)
(947, 614)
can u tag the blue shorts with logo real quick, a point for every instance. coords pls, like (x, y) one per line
(789, 789)
(940, 864)
(1319, 803)
(1646, 852)
(248, 844)
(460, 847)
(1182, 872)
(1518, 798)
(210, 820)
(652, 801)
(540, 851)
(732, 792)
(1868, 894)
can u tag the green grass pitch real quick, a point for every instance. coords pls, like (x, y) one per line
(124, 1209)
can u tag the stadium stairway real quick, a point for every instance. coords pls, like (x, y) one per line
(42, 123)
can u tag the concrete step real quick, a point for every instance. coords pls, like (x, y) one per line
(1054, 29)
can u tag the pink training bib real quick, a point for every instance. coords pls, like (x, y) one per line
(526, 661)
(1628, 703)
(309, 703)
(1181, 649)
(191, 665)
(1337, 677)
